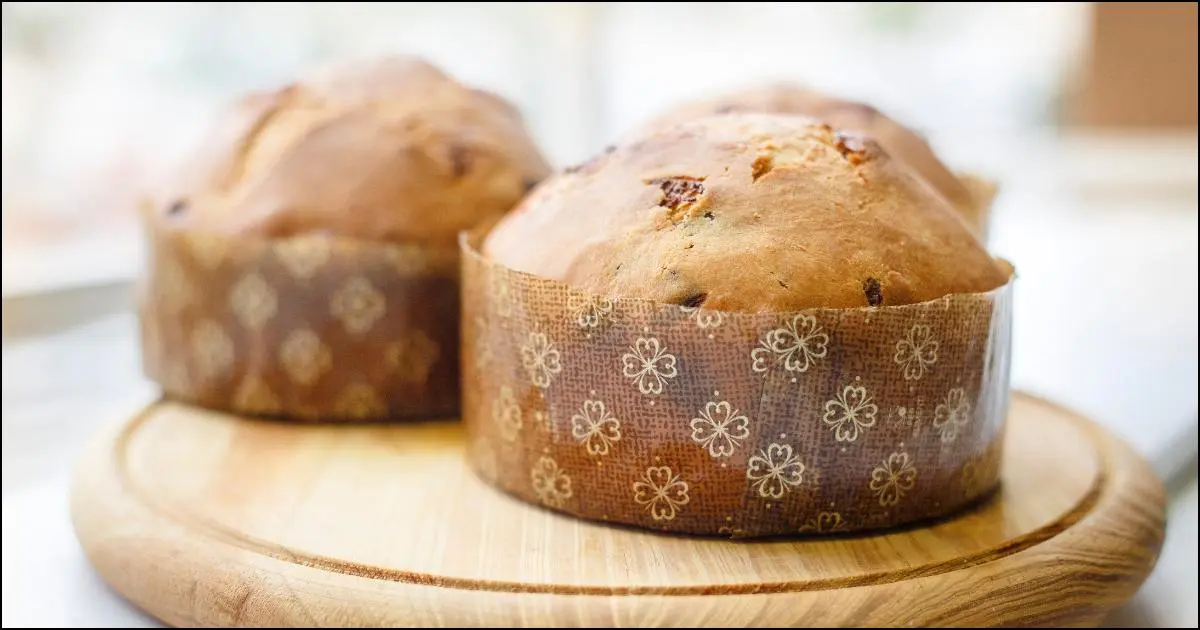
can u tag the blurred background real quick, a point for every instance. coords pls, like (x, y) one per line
(1086, 114)
(97, 96)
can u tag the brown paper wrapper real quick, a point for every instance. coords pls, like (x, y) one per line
(310, 327)
(738, 424)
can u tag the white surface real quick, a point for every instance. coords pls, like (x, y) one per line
(1105, 314)
(90, 258)
(51, 584)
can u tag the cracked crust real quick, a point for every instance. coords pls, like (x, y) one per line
(391, 150)
(971, 196)
(690, 214)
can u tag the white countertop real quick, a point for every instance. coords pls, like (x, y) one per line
(1105, 322)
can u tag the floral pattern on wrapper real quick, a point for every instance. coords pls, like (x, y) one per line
(309, 327)
(733, 424)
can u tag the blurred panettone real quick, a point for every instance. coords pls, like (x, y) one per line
(303, 259)
(393, 150)
(746, 212)
(970, 195)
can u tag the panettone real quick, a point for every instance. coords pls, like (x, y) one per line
(392, 150)
(739, 325)
(746, 213)
(303, 260)
(969, 194)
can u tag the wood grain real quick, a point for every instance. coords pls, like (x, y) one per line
(203, 518)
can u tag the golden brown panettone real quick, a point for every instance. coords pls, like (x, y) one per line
(970, 195)
(393, 150)
(746, 212)
(304, 263)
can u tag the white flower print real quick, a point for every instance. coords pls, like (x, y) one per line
(359, 400)
(541, 359)
(916, 352)
(304, 357)
(253, 301)
(595, 427)
(412, 357)
(649, 365)
(952, 415)
(408, 260)
(893, 478)
(589, 310)
(823, 523)
(255, 396)
(774, 471)
(979, 472)
(358, 305)
(661, 492)
(550, 484)
(213, 350)
(507, 414)
(543, 420)
(704, 318)
(303, 256)
(850, 413)
(797, 345)
(720, 428)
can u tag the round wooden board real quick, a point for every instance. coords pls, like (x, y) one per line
(203, 518)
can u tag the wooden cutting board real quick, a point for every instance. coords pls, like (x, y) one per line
(203, 518)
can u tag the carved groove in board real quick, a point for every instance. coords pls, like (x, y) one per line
(262, 547)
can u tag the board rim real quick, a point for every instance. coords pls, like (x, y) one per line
(1121, 473)
(227, 535)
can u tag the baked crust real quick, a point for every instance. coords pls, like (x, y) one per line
(746, 212)
(904, 144)
(392, 150)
